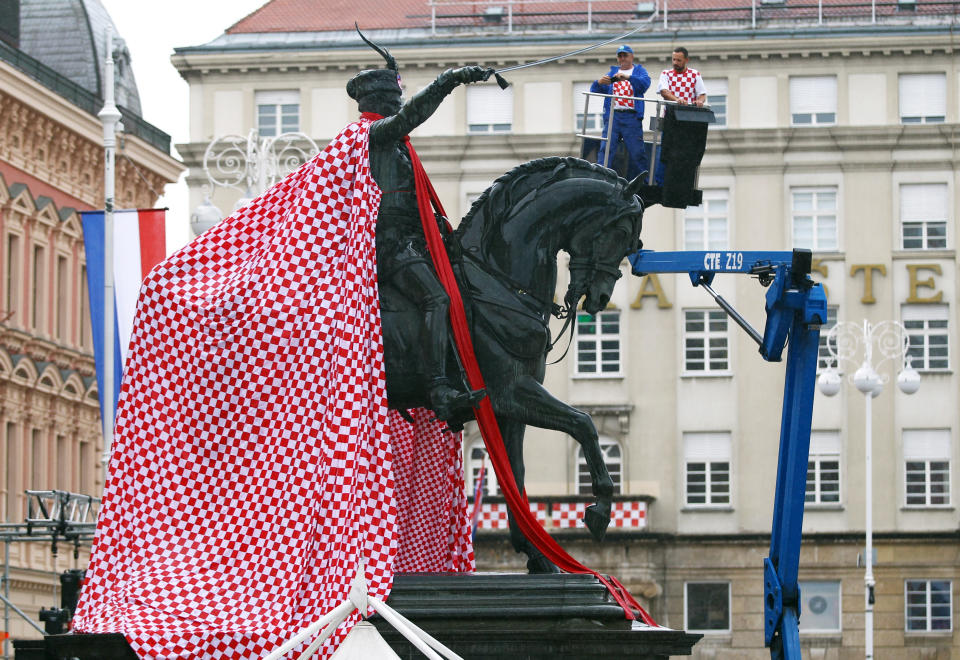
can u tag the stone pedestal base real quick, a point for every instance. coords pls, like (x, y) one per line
(480, 617)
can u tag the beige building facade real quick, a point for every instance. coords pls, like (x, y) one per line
(51, 168)
(837, 136)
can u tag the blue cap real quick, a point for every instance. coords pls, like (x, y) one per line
(624, 49)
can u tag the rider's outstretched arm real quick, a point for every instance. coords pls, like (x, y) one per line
(423, 104)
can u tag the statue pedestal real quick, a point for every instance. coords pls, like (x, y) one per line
(528, 617)
(482, 616)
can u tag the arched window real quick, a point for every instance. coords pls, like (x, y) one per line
(612, 456)
(477, 456)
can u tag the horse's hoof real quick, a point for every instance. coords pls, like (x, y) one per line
(541, 565)
(596, 522)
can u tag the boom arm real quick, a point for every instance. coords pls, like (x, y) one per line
(796, 308)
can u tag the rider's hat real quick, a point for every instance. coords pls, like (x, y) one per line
(372, 81)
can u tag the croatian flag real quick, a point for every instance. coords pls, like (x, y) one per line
(139, 244)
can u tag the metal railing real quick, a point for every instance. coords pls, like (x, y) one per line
(589, 15)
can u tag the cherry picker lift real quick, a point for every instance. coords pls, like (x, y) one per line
(796, 308)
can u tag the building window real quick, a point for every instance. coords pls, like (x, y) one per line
(598, 344)
(707, 469)
(477, 458)
(717, 99)
(62, 297)
(926, 456)
(86, 331)
(928, 605)
(37, 283)
(705, 342)
(489, 109)
(612, 456)
(814, 212)
(923, 216)
(707, 607)
(36, 461)
(813, 100)
(929, 338)
(820, 606)
(823, 468)
(13, 275)
(594, 112)
(12, 475)
(824, 359)
(87, 466)
(705, 227)
(923, 98)
(277, 112)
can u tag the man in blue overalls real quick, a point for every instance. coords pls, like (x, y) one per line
(625, 79)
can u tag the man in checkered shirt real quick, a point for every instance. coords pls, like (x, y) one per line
(681, 83)
(625, 78)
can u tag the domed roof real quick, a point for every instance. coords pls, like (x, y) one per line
(70, 37)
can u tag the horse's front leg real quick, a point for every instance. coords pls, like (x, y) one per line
(532, 404)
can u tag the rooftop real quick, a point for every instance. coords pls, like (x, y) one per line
(462, 16)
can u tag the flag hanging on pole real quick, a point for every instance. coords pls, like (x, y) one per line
(139, 240)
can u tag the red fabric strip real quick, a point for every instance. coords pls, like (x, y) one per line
(427, 201)
(153, 238)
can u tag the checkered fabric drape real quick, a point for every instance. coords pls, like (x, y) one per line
(252, 465)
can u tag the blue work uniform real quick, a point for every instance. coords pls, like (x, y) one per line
(627, 122)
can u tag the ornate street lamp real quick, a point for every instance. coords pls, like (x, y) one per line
(250, 164)
(845, 342)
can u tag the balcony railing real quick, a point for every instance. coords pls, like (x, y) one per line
(590, 15)
(565, 512)
(80, 96)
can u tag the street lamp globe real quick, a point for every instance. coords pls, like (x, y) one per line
(908, 380)
(829, 382)
(867, 380)
(204, 216)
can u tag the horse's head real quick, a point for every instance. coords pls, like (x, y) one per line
(597, 249)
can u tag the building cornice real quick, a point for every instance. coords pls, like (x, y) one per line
(499, 50)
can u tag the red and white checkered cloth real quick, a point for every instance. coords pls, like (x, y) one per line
(252, 466)
(623, 88)
(433, 524)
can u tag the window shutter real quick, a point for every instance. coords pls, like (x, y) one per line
(813, 94)
(921, 202)
(926, 444)
(923, 95)
(715, 87)
(596, 102)
(488, 104)
(707, 446)
(924, 313)
(277, 97)
(824, 443)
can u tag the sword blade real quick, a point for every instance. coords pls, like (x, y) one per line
(547, 60)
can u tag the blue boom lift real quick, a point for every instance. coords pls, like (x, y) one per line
(796, 308)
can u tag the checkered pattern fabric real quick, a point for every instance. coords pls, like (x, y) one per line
(433, 524)
(568, 514)
(630, 515)
(251, 465)
(683, 85)
(623, 88)
(493, 515)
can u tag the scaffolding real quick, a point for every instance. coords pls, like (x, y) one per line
(57, 517)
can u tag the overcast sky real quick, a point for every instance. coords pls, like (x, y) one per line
(152, 30)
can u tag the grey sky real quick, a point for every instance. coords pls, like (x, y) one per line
(152, 30)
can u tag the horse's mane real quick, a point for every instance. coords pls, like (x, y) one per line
(548, 170)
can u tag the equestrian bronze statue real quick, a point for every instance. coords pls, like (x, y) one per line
(505, 255)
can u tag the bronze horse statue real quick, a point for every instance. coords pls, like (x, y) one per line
(505, 256)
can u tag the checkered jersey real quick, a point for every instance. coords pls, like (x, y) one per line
(251, 465)
(622, 88)
(433, 525)
(683, 85)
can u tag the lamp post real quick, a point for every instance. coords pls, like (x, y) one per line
(250, 164)
(845, 342)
